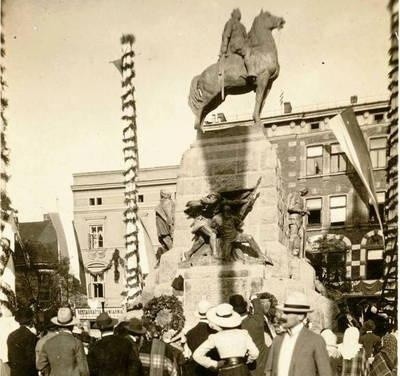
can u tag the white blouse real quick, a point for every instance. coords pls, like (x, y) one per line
(229, 343)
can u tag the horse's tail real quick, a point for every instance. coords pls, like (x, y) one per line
(195, 95)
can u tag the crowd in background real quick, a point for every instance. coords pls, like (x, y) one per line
(239, 338)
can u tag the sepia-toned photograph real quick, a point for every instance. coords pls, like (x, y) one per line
(199, 188)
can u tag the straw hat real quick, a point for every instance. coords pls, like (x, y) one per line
(224, 316)
(64, 317)
(202, 309)
(296, 302)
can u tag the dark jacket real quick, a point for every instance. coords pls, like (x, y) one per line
(194, 338)
(309, 357)
(114, 355)
(198, 334)
(254, 324)
(21, 352)
(371, 342)
(63, 355)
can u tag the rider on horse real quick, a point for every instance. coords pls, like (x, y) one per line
(234, 41)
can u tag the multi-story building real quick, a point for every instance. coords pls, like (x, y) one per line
(42, 246)
(309, 155)
(98, 221)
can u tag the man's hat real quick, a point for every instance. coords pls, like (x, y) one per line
(238, 303)
(296, 302)
(135, 326)
(104, 322)
(64, 317)
(369, 325)
(224, 316)
(24, 316)
(202, 309)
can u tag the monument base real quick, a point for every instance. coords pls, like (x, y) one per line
(230, 161)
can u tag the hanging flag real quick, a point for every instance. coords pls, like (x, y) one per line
(347, 131)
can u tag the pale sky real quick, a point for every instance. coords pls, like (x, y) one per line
(64, 96)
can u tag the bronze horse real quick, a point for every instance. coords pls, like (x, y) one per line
(205, 90)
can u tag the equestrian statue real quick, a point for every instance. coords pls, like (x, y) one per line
(247, 62)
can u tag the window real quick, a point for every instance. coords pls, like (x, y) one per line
(95, 201)
(377, 149)
(140, 198)
(44, 287)
(96, 287)
(95, 236)
(314, 206)
(374, 263)
(381, 207)
(338, 210)
(379, 117)
(338, 159)
(314, 125)
(314, 160)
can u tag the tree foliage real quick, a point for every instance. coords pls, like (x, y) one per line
(329, 261)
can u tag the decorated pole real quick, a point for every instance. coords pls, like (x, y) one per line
(7, 230)
(133, 274)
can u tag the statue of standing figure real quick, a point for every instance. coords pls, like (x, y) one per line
(165, 222)
(297, 212)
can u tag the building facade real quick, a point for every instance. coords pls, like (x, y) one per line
(38, 254)
(310, 156)
(98, 221)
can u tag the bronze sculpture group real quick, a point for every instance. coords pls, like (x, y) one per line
(248, 62)
(217, 227)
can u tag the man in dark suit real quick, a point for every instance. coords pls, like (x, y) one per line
(299, 351)
(112, 355)
(254, 324)
(63, 354)
(21, 345)
(196, 336)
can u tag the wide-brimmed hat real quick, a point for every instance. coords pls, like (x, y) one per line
(64, 317)
(296, 302)
(104, 322)
(238, 303)
(224, 316)
(24, 316)
(135, 325)
(202, 309)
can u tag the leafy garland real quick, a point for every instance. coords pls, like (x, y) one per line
(9, 300)
(116, 260)
(163, 313)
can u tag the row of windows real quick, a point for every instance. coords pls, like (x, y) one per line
(95, 201)
(338, 160)
(374, 264)
(338, 209)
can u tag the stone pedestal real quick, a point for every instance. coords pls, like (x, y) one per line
(232, 160)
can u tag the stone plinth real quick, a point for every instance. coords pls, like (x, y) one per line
(217, 283)
(233, 160)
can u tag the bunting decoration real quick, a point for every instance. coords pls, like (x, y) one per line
(7, 273)
(133, 273)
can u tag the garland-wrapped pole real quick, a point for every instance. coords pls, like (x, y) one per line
(7, 231)
(133, 274)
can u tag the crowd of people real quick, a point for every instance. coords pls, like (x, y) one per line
(238, 338)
